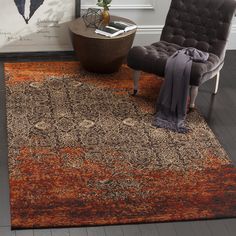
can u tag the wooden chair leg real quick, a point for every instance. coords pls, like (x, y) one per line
(217, 83)
(136, 77)
(193, 96)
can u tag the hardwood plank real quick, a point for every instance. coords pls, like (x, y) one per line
(230, 225)
(166, 229)
(5, 231)
(226, 115)
(96, 231)
(78, 232)
(4, 183)
(218, 124)
(200, 228)
(37, 56)
(148, 230)
(183, 229)
(131, 230)
(42, 232)
(2, 82)
(217, 228)
(4, 193)
(220, 116)
(60, 232)
(114, 230)
(27, 232)
(3, 128)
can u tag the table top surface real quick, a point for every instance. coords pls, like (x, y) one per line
(78, 27)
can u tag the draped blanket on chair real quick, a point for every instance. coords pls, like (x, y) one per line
(172, 100)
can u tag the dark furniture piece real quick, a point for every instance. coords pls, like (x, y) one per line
(99, 53)
(202, 24)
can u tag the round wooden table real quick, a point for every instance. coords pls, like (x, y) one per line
(99, 53)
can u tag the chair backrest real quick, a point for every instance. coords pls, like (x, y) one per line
(202, 24)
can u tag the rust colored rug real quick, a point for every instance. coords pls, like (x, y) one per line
(84, 152)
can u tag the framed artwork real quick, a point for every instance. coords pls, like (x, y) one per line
(36, 25)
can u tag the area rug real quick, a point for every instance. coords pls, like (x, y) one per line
(83, 151)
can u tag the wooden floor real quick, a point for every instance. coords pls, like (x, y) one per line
(220, 113)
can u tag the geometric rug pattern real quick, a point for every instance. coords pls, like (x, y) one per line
(82, 151)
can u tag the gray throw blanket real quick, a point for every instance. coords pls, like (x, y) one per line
(172, 101)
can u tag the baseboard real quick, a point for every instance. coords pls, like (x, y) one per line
(33, 56)
(147, 34)
(232, 40)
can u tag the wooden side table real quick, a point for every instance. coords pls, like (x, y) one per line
(99, 53)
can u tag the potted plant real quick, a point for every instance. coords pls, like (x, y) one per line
(105, 4)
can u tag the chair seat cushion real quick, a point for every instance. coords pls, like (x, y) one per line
(153, 58)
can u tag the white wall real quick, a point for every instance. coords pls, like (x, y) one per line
(38, 35)
(150, 16)
(47, 30)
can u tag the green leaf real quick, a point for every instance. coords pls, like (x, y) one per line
(100, 4)
(106, 8)
(107, 1)
(104, 4)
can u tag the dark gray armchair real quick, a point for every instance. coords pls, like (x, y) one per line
(202, 24)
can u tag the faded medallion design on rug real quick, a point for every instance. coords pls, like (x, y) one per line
(82, 151)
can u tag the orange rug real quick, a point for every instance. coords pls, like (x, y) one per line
(82, 151)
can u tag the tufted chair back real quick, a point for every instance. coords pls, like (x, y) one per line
(203, 24)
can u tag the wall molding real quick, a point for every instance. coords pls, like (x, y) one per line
(123, 6)
(149, 29)
(156, 29)
(233, 30)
